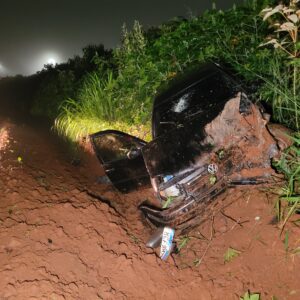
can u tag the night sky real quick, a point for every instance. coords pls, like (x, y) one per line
(35, 31)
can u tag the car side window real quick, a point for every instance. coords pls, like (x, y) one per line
(113, 146)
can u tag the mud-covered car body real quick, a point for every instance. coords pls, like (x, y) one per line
(207, 136)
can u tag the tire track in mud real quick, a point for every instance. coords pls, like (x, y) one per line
(59, 242)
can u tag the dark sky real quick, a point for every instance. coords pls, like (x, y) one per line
(34, 31)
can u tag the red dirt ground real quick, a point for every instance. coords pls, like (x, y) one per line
(65, 236)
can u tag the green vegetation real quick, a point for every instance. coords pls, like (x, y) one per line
(250, 296)
(285, 21)
(183, 242)
(230, 254)
(285, 92)
(289, 165)
(168, 202)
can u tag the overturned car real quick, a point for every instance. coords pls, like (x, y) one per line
(207, 136)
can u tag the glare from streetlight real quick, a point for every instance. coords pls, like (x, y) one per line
(51, 61)
(2, 69)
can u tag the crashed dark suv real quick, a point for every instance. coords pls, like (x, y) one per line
(207, 136)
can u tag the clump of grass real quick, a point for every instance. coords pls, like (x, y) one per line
(182, 243)
(282, 90)
(230, 254)
(277, 91)
(76, 127)
(96, 109)
(289, 164)
(285, 21)
(81, 116)
(168, 202)
(250, 296)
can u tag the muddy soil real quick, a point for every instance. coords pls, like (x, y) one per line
(65, 235)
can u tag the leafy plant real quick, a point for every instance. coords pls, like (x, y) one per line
(230, 254)
(212, 179)
(250, 296)
(196, 262)
(289, 165)
(168, 202)
(182, 243)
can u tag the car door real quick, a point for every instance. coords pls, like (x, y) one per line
(121, 157)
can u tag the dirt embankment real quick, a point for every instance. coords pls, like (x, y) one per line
(65, 236)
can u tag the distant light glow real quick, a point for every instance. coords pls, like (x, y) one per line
(51, 61)
(45, 58)
(2, 70)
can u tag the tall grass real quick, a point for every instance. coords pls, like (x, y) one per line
(289, 165)
(277, 91)
(282, 90)
(285, 22)
(96, 108)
